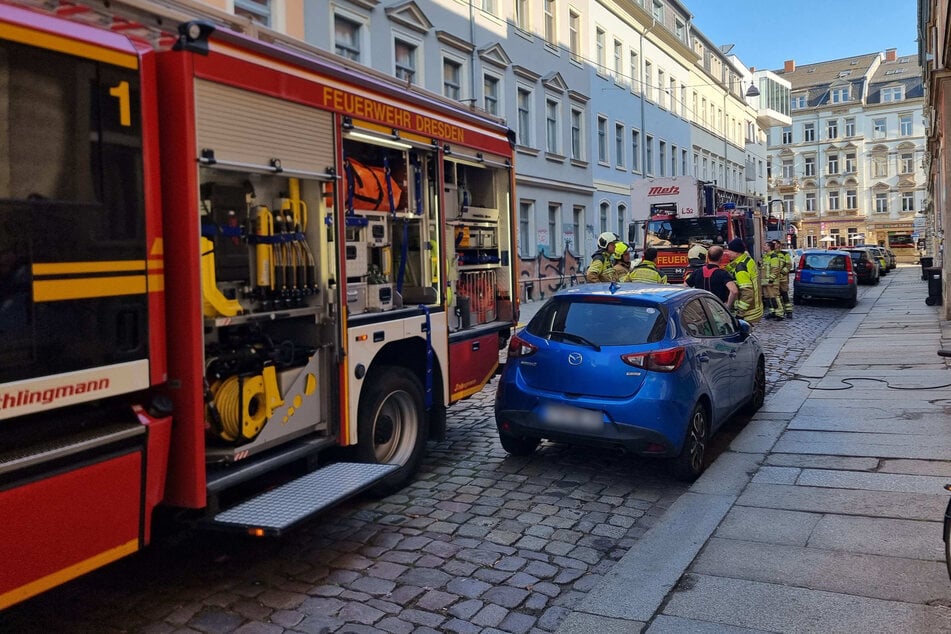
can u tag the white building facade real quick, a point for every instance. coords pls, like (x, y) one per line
(849, 167)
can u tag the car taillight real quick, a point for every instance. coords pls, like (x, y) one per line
(518, 347)
(658, 361)
(850, 271)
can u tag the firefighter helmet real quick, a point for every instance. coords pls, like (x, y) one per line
(607, 238)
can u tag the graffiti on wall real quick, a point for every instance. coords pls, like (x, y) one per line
(541, 276)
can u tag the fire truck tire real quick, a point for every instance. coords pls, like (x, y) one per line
(393, 425)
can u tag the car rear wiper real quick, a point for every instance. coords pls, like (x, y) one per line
(576, 338)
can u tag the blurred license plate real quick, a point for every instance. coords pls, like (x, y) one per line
(567, 417)
(823, 279)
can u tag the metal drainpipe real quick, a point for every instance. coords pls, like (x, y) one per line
(472, 80)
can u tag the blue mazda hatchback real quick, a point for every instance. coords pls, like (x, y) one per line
(649, 368)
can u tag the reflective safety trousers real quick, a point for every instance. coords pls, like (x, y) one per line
(749, 305)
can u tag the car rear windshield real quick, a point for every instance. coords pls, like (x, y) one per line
(824, 261)
(599, 321)
(856, 255)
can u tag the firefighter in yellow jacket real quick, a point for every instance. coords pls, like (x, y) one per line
(622, 264)
(749, 305)
(646, 270)
(773, 269)
(603, 260)
(784, 278)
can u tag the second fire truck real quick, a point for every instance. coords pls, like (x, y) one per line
(674, 213)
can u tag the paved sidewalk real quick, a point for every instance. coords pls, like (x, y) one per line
(825, 513)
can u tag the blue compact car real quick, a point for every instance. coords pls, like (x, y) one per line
(649, 368)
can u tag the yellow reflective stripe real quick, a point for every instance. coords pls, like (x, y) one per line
(72, 268)
(70, 572)
(85, 288)
(66, 45)
(156, 283)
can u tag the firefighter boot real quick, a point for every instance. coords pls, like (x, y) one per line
(787, 305)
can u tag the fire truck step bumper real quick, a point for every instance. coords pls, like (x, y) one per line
(275, 511)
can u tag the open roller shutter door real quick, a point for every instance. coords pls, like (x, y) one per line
(247, 127)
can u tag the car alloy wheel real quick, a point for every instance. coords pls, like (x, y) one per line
(690, 463)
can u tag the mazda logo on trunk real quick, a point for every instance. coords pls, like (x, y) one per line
(574, 358)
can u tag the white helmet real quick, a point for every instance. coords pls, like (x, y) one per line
(607, 238)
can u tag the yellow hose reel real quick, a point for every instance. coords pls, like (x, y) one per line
(246, 403)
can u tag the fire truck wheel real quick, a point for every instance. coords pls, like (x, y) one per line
(393, 425)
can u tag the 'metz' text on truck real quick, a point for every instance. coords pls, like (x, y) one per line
(677, 212)
(223, 254)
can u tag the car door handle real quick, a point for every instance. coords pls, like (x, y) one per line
(702, 357)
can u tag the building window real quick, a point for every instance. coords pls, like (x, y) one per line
(810, 202)
(255, 10)
(525, 117)
(851, 199)
(683, 162)
(809, 132)
(451, 78)
(658, 11)
(850, 163)
(798, 102)
(600, 53)
(635, 73)
(618, 60)
(347, 38)
(661, 88)
(554, 223)
(832, 128)
(574, 35)
(490, 88)
(840, 95)
(810, 165)
(552, 126)
(405, 54)
(706, 168)
(673, 160)
(576, 224)
(672, 93)
(878, 128)
(879, 166)
(907, 163)
(635, 150)
(662, 157)
(523, 14)
(525, 212)
(619, 144)
(908, 201)
(680, 30)
(603, 216)
(551, 31)
(620, 219)
(577, 118)
(881, 203)
(602, 140)
(696, 165)
(649, 155)
(850, 127)
(904, 125)
(788, 168)
(787, 135)
(892, 93)
(649, 80)
(833, 164)
(834, 200)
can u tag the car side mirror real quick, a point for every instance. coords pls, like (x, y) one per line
(744, 327)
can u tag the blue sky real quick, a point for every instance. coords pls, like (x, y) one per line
(768, 32)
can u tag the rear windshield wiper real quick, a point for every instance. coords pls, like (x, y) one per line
(576, 338)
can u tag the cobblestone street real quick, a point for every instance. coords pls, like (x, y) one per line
(480, 542)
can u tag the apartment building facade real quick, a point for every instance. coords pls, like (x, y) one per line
(598, 94)
(849, 167)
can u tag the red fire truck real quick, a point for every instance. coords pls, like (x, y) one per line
(224, 253)
(677, 212)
